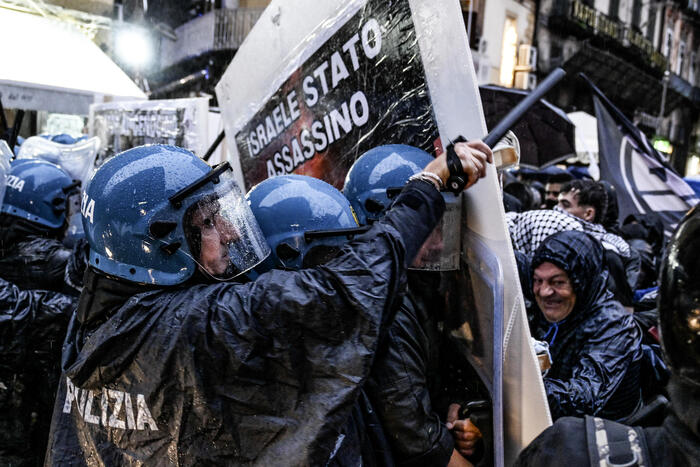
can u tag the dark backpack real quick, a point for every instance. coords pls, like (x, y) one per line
(611, 444)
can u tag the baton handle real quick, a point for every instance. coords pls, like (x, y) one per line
(214, 145)
(519, 111)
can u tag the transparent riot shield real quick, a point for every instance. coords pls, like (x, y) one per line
(480, 328)
(77, 159)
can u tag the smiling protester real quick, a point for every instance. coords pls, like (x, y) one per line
(594, 343)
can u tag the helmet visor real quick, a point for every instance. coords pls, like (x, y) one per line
(223, 236)
(440, 252)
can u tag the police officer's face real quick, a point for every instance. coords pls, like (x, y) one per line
(431, 250)
(553, 292)
(216, 235)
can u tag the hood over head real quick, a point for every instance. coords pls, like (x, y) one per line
(581, 256)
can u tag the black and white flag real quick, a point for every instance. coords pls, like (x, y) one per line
(644, 182)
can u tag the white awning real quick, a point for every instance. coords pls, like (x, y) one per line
(50, 65)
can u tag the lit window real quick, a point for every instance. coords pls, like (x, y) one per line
(509, 52)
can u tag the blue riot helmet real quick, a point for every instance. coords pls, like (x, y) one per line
(305, 220)
(39, 192)
(378, 176)
(157, 214)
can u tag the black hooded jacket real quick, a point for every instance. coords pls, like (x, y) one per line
(404, 382)
(32, 257)
(419, 371)
(32, 327)
(596, 350)
(263, 373)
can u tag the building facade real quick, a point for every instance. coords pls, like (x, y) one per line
(642, 55)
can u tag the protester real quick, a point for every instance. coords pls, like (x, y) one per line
(645, 235)
(415, 375)
(587, 441)
(587, 201)
(594, 343)
(551, 194)
(554, 177)
(530, 228)
(163, 362)
(33, 221)
(32, 327)
(523, 193)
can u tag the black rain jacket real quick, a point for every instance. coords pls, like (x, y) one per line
(676, 443)
(264, 373)
(596, 350)
(405, 380)
(419, 371)
(33, 258)
(32, 328)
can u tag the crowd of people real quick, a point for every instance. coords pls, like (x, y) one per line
(301, 325)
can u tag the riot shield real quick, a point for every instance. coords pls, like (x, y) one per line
(123, 125)
(478, 327)
(77, 159)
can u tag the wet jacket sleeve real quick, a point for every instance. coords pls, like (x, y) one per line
(399, 387)
(29, 317)
(602, 366)
(303, 341)
(38, 263)
(566, 439)
(32, 328)
(365, 279)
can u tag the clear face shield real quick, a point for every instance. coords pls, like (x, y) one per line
(78, 159)
(223, 236)
(441, 250)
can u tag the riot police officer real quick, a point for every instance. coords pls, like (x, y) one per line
(306, 222)
(417, 375)
(33, 221)
(33, 321)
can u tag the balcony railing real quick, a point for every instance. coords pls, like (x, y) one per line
(592, 22)
(215, 30)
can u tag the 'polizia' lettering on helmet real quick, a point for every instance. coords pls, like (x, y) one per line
(87, 207)
(15, 182)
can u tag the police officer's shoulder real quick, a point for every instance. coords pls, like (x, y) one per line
(563, 443)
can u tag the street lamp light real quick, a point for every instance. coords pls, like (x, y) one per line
(133, 46)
